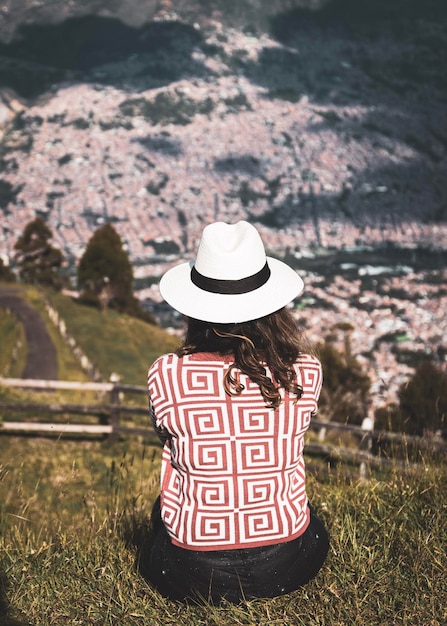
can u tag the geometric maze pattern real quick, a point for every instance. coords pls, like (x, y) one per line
(232, 470)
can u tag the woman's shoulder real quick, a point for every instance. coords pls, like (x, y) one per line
(163, 361)
(307, 357)
(309, 360)
(171, 363)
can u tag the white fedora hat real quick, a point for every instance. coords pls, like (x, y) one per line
(232, 279)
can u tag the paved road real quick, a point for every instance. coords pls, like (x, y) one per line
(41, 358)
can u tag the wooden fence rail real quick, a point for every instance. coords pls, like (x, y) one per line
(110, 414)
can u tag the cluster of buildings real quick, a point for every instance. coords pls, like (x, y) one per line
(313, 173)
(388, 332)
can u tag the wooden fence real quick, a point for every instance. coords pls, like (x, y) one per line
(110, 413)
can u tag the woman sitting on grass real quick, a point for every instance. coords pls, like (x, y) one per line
(231, 407)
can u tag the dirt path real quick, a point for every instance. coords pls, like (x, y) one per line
(41, 360)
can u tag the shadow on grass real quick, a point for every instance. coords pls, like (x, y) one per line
(137, 534)
(8, 615)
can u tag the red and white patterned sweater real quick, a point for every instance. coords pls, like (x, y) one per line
(232, 469)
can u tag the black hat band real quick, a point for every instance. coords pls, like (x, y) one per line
(231, 287)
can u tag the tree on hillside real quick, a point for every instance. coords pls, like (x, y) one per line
(6, 275)
(345, 394)
(422, 405)
(37, 260)
(105, 275)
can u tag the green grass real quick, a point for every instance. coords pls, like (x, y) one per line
(13, 345)
(112, 341)
(11, 332)
(72, 516)
(68, 366)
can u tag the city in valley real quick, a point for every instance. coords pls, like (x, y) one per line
(318, 137)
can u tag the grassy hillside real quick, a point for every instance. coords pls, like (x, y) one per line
(112, 341)
(13, 346)
(74, 522)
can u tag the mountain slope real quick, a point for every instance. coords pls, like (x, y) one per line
(324, 131)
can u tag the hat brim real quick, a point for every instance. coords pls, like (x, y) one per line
(179, 291)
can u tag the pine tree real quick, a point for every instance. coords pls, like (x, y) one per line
(37, 260)
(105, 275)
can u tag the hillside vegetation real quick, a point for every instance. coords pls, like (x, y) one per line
(114, 342)
(13, 352)
(74, 519)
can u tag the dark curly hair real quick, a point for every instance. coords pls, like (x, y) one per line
(274, 341)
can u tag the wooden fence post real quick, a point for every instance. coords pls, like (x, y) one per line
(114, 405)
(366, 444)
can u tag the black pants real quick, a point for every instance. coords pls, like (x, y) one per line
(235, 575)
